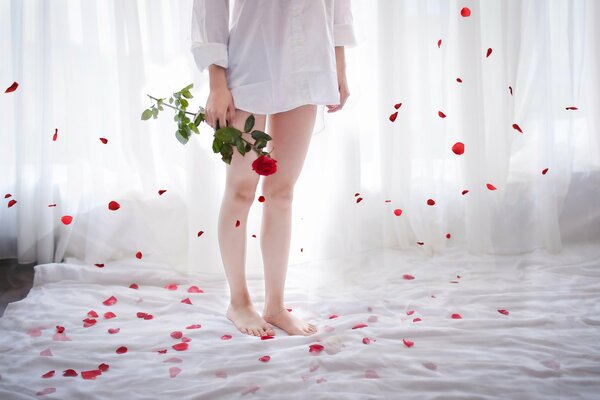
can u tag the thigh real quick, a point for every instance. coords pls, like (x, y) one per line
(240, 172)
(291, 132)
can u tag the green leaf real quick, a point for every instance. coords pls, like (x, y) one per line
(248, 147)
(180, 135)
(260, 143)
(256, 135)
(226, 152)
(228, 134)
(249, 123)
(155, 112)
(199, 119)
(160, 108)
(184, 103)
(147, 114)
(240, 144)
(170, 100)
(187, 88)
(193, 127)
(187, 94)
(217, 145)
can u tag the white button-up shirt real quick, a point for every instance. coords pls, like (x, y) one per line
(279, 54)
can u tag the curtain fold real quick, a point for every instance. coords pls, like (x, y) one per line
(85, 68)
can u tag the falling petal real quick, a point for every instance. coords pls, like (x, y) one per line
(261, 198)
(89, 322)
(237, 223)
(505, 312)
(458, 148)
(104, 140)
(393, 116)
(195, 326)
(458, 80)
(358, 200)
(430, 202)
(316, 348)
(490, 186)
(439, 43)
(397, 212)
(113, 206)
(489, 51)
(465, 12)
(55, 136)
(12, 87)
(138, 255)
(67, 219)
(103, 367)
(70, 372)
(171, 286)
(397, 106)
(441, 114)
(134, 286)
(420, 243)
(99, 265)
(226, 337)
(200, 233)
(358, 326)
(161, 192)
(448, 236)
(186, 301)
(49, 374)
(510, 89)
(109, 315)
(112, 331)
(465, 192)
(544, 171)
(11, 203)
(517, 127)
(572, 108)
(52, 205)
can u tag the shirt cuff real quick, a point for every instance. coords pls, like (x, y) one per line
(343, 35)
(209, 53)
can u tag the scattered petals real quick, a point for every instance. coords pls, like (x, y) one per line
(448, 236)
(490, 186)
(7, 195)
(195, 326)
(66, 219)
(439, 43)
(49, 390)
(11, 203)
(134, 286)
(91, 374)
(393, 116)
(200, 233)
(544, 171)
(237, 223)
(266, 337)
(489, 51)
(410, 312)
(104, 140)
(458, 80)
(92, 314)
(110, 301)
(187, 301)
(99, 265)
(195, 289)
(332, 316)
(176, 334)
(430, 202)
(265, 358)
(505, 312)
(571, 108)
(70, 372)
(359, 326)
(161, 192)
(366, 340)
(46, 353)
(420, 243)
(52, 205)
(109, 315)
(55, 136)
(49, 374)
(397, 212)
(89, 322)
(261, 198)
(138, 255)
(458, 148)
(171, 286)
(174, 371)
(456, 316)
(12, 87)
(441, 114)
(510, 90)
(465, 12)
(465, 192)
(226, 337)
(397, 106)
(113, 206)
(517, 127)
(122, 350)
(316, 348)
(112, 331)
(180, 346)
(103, 367)
(407, 276)
(358, 200)
(408, 343)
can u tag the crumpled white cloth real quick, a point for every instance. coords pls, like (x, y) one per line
(546, 347)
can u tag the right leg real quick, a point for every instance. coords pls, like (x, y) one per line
(239, 194)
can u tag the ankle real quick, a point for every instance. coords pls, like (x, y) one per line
(240, 302)
(272, 309)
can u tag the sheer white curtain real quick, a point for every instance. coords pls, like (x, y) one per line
(85, 67)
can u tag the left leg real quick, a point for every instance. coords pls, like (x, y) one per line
(291, 132)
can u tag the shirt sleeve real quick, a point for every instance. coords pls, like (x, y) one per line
(210, 33)
(343, 24)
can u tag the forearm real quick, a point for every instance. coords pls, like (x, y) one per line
(217, 76)
(340, 60)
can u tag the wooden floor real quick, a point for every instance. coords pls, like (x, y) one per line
(15, 282)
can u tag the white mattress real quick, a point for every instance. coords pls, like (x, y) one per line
(546, 347)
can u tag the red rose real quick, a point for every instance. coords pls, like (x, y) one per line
(264, 165)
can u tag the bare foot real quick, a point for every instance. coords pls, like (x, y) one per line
(248, 321)
(289, 323)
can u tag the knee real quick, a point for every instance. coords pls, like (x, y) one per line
(280, 194)
(242, 193)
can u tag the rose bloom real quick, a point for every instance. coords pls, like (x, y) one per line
(264, 165)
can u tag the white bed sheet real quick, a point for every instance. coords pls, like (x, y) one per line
(548, 346)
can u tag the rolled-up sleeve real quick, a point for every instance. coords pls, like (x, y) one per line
(343, 24)
(210, 33)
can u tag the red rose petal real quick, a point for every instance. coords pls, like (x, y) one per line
(490, 186)
(407, 276)
(60, 329)
(195, 326)
(544, 171)
(12, 87)
(441, 114)
(237, 223)
(366, 340)
(134, 286)
(456, 316)
(186, 339)
(66, 219)
(110, 301)
(11, 203)
(49, 374)
(265, 358)
(99, 265)
(226, 337)
(517, 127)
(316, 348)
(195, 289)
(510, 90)
(332, 316)
(180, 346)
(458, 80)
(359, 326)
(187, 301)
(112, 331)
(52, 205)
(92, 314)
(458, 148)
(465, 12)
(397, 106)
(109, 315)
(410, 312)
(103, 367)
(439, 43)
(420, 243)
(397, 212)
(7, 195)
(55, 136)
(261, 199)
(505, 312)
(430, 202)
(91, 374)
(408, 343)
(174, 371)
(113, 206)
(572, 108)
(393, 116)
(358, 200)
(200, 233)
(122, 350)
(465, 192)
(448, 236)
(104, 140)
(138, 255)
(265, 337)
(70, 372)
(161, 192)
(89, 322)
(489, 51)
(141, 314)
(176, 334)
(171, 286)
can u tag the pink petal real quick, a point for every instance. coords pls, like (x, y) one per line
(110, 301)
(265, 358)
(174, 371)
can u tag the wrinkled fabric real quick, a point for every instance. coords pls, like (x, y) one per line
(278, 54)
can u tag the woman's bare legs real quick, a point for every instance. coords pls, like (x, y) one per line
(291, 132)
(237, 199)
